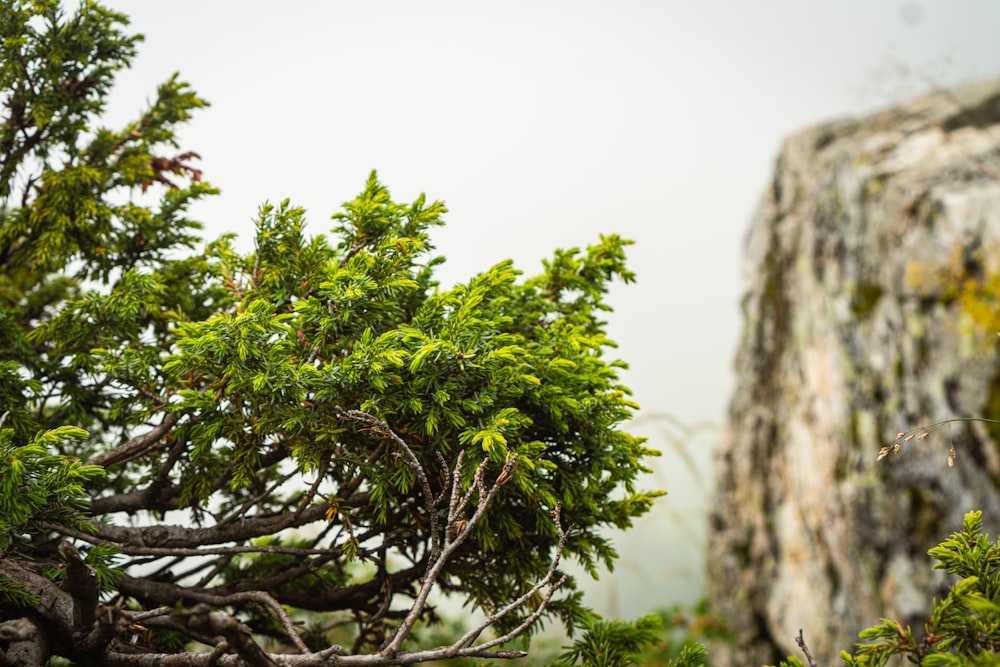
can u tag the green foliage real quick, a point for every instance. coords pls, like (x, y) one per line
(493, 366)
(790, 661)
(670, 638)
(315, 405)
(963, 629)
(15, 593)
(683, 632)
(104, 559)
(39, 487)
(613, 643)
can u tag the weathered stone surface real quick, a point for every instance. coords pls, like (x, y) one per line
(852, 334)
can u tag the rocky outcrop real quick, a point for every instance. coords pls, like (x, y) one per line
(868, 270)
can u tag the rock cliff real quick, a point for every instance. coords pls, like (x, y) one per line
(870, 277)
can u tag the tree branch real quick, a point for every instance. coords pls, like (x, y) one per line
(800, 640)
(27, 646)
(381, 428)
(436, 565)
(134, 447)
(53, 604)
(474, 634)
(204, 621)
(82, 585)
(325, 658)
(187, 537)
(84, 626)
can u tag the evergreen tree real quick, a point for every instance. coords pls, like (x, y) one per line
(204, 448)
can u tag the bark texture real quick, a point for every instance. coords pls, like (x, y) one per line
(853, 332)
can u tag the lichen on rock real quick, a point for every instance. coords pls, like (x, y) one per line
(859, 267)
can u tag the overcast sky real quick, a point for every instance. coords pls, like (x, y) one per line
(544, 124)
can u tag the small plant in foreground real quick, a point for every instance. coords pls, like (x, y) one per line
(665, 640)
(964, 627)
(962, 630)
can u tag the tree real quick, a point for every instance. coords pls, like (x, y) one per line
(199, 446)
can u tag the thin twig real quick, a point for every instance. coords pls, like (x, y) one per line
(262, 598)
(381, 428)
(314, 487)
(473, 634)
(241, 511)
(436, 565)
(800, 640)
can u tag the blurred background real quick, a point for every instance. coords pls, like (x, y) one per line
(543, 125)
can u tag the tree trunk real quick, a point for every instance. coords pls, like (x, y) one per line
(866, 313)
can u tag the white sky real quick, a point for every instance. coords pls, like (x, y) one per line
(543, 124)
